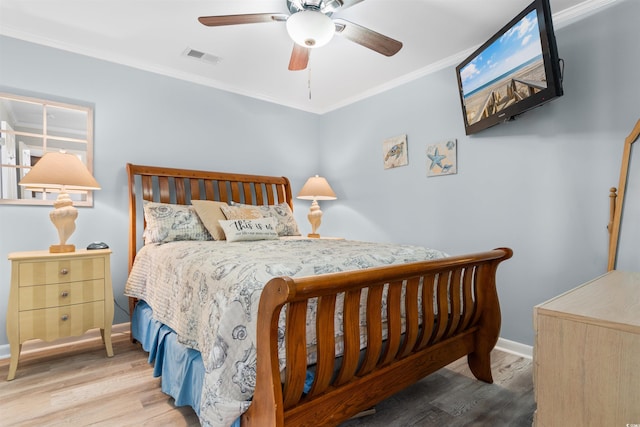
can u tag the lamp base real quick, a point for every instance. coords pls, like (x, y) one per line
(59, 249)
(313, 235)
(64, 218)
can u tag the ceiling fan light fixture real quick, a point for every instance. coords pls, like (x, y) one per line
(310, 28)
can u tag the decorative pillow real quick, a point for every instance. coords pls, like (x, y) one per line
(167, 223)
(210, 213)
(241, 212)
(286, 224)
(249, 229)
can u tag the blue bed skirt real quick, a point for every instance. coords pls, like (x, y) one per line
(180, 368)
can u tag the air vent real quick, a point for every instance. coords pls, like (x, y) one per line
(195, 53)
(201, 56)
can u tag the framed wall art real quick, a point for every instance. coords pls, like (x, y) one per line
(394, 152)
(442, 158)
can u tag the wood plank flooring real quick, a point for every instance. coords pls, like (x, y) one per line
(76, 384)
(452, 397)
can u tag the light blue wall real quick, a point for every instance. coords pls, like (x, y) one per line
(539, 184)
(146, 119)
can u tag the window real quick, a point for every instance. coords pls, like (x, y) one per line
(31, 127)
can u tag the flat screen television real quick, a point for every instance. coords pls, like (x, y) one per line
(515, 70)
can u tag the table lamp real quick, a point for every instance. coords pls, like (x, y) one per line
(316, 188)
(60, 172)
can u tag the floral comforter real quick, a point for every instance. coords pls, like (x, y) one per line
(208, 293)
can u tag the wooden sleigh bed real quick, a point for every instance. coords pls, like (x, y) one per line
(433, 312)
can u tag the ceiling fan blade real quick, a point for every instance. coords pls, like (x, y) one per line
(367, 38)
(251, 18)
(299, 58)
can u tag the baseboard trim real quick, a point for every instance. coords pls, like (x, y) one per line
(4, 351)
(37, 345)
(516, 348)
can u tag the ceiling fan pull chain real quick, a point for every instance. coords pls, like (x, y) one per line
(309, 83)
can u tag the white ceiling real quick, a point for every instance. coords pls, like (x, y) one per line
(153, 35)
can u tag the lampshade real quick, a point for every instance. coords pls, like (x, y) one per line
(310, 28)
(57, 170)
(316, 188)
(60, 172)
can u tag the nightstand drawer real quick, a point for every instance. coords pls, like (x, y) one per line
(60, 271)
(63, 294)
(58, 322)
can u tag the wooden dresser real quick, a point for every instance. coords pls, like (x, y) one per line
(56, 295)
(587, 354)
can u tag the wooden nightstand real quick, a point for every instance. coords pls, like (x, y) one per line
(57, 295)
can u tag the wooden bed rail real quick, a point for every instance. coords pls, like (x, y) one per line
(436, 312)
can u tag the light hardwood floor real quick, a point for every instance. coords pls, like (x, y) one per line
(77, 385)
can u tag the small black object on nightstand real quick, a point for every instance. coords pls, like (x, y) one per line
(97, 245)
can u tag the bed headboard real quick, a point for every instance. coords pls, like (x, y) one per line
(180, 186)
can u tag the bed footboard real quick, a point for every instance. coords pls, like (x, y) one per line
(436, 312)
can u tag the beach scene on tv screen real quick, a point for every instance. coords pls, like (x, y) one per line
(506, 72)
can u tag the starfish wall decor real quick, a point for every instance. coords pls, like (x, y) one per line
(442, 158)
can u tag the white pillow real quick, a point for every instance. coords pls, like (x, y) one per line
(168, 222)
(237, 230)
(286, 224)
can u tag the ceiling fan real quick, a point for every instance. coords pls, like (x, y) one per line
(310, 26)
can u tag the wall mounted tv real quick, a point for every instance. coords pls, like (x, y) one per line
(515, 70)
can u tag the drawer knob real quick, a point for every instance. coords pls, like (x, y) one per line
(64, 294)
(64, 271)
(64, 317)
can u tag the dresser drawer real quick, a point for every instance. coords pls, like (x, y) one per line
(58, 322)
(62, 294)
(60, 271)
